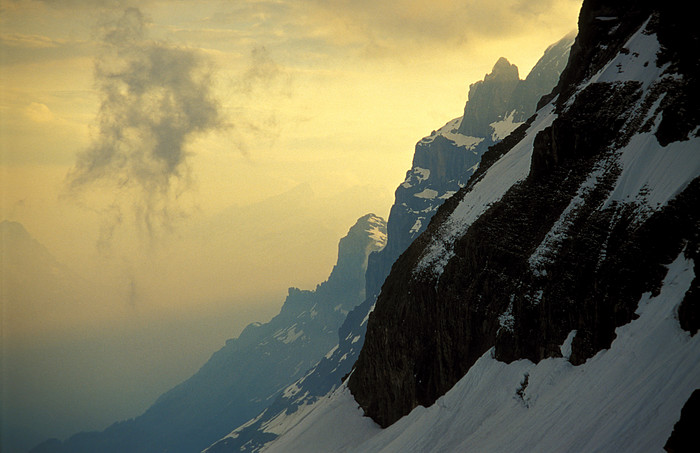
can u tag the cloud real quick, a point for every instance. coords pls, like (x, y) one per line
(18, 48)
(255, 97)
(262, 72)
(155, 98)
(23, 40)
(39, 112)
(406, 26)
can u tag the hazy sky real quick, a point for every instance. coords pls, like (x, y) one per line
(193, 159)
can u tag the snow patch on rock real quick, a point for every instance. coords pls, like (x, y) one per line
(510, 169)
(502, 128)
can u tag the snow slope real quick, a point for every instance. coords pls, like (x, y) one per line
(442, 164)
(626, 398)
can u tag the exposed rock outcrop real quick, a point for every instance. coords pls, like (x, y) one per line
(685, 436)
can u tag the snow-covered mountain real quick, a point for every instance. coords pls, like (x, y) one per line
(442, 164)
(552, 303)
(248, 373)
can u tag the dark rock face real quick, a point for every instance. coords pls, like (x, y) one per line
(246, 375)
(594, 29)
(689, 310)
(593, 122)
(557, 253)
(685, 436)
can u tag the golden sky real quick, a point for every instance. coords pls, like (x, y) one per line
(323, 97)
(254, 135)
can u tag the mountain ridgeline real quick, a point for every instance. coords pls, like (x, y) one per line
(552, 303)
(246, 375)
(564, 228)
(442, 164)
(444, 161)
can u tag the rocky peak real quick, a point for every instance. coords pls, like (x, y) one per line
(444, 161)
(503, 71)
(347, 279)
(489, 98)
(368, 234)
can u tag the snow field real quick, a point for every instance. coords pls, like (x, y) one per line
(626, 398)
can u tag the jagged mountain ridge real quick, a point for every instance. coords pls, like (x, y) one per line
(295, 401)
(444, 161)
(578, 221)
(552, 304)
(442, 164)
(246, 374)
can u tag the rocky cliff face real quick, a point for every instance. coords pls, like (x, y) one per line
(576, 217)
(248, 373)
(490, 98)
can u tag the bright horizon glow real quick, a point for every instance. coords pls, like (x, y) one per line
(322, 102)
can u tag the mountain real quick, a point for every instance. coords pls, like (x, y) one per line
(295, 401)
(444, 161)
(37, 297)
(552, 303)
(442, 164)
(246, 374)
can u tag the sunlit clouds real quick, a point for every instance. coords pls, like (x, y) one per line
(156, 117)
(123, 123)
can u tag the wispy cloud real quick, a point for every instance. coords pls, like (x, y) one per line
(155, 98)
(29, 41)
(262, 73)
(253, 95)
(404, 27)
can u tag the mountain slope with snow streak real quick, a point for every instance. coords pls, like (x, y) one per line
(564, 231)
(625, 398)
(552, 303)
(442, 164)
